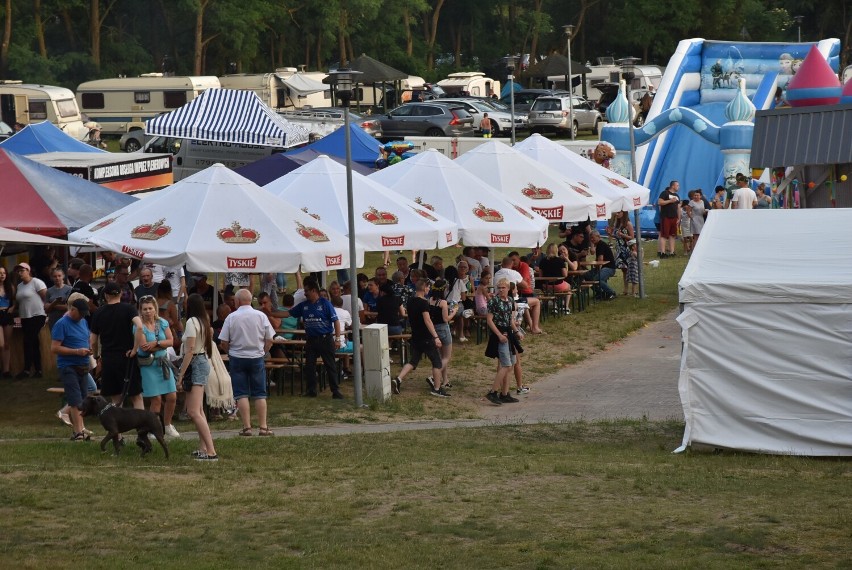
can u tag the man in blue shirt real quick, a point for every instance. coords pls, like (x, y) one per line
(70, 344)
(322, 329)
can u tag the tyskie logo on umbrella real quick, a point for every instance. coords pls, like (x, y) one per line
(425, 214)
(522, 211)
(103, 224)
(487, 214)
(637, 201)
(581, 191)
(503, 239)
(379, 218)
(600, 209)
(418, 200)
(310, 233)
(132, 251)
(393, 241)
(242, 262)
(553, 214)
(238, 234)
(334, 260)
(616, 182)
(151, 231)
(314, 216)
(536, 192)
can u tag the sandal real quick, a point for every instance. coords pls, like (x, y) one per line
(246, 432)
(265, 431)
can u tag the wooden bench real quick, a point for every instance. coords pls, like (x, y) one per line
(480, 323)
(401, 341)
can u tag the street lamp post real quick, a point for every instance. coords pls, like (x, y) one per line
(343, 81)
(569, 31)
(798, 20)
(628, 72)
(511, 62)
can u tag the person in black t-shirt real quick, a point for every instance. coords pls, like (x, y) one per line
(424, 338)
(389, 309)
(602, 274)
(84, 285)
(669, 218)
(113, 325)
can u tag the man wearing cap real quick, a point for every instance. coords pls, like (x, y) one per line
(29, 304)
(112, 324)
(70, 344)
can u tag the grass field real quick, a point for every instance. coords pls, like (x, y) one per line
(580, 495)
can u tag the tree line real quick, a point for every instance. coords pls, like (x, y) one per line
(66, 42)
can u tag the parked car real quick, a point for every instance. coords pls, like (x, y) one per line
(501, 121)
(324, 120)
(432, 119)
(609, 91)
(554, 114)
(133, 141)
(526, 97)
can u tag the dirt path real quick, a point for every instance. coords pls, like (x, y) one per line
(634, 378)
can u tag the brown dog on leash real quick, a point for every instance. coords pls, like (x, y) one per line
(118, 420)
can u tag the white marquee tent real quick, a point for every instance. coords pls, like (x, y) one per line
(767, 330)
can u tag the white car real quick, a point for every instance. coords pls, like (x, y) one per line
(554, 114)
(501, 121)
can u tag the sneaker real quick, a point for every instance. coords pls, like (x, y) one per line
(396, 385)
(171, 431)
(508, 399)
(448, 385)
(494, 398)
(88, 432)
(204, 457)
(440, 393)
(195, 453)
(523, 390)
(462, 339)
(272, 384)
(64, 418)
(431, 382)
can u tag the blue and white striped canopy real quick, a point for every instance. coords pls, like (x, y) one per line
(228, 115)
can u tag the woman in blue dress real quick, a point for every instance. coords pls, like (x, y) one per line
(158, 382)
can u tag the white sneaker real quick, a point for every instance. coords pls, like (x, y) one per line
(463, 339)
(64, 418)
(171, 431)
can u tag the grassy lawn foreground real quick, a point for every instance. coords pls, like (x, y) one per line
(600, 495)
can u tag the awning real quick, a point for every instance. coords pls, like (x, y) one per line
(802, 136)
(301, 85)
(228, 115)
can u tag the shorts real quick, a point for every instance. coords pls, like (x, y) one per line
(113, 371)
(427, 347)
(443, 330)
(668, 227)
(248, 376)
(75, 383)
(505, 356)
(6, 319)
(200, 370)
(346, 349)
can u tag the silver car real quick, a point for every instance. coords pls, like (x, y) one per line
(553, 114)
(501, 121)
(432, 119)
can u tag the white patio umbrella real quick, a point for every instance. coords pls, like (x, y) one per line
(484, 216)
(218, 221)
(625, 194)
(384, 220)
(532, 184)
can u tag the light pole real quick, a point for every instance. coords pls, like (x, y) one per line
(628, 72)
(343, 81)
(511, 61)
(798, 20)
(569, 31)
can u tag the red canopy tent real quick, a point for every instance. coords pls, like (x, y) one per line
(41, 200)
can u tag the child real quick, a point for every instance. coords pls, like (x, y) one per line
(633, 269)
(485, 126)
(482, 294)
(686, 226)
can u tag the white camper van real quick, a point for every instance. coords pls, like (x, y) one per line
(192, 155)
(609, 72)
(27, 103)
(286, 88)
(473, 83)
(125, 103)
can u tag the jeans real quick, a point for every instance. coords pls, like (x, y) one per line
(248, 377)
(281, 280)
(602, 275)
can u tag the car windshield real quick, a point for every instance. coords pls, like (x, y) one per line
(5, 129)
(547, 105)
(498, 105)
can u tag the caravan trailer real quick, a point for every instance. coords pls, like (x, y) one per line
(123, 104)
(284, 89)
(644, 77)
(473, 83)
(28, 103)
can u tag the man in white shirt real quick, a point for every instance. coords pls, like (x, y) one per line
(744, 197)
(506, 272)
(246, 336)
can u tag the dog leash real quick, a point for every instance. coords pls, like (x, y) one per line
(127, 375)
